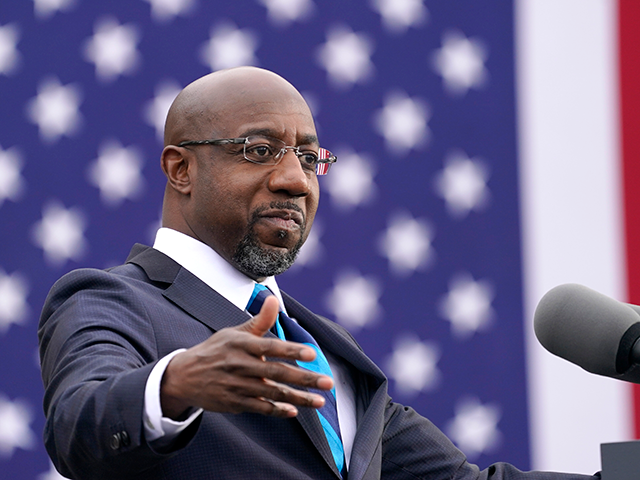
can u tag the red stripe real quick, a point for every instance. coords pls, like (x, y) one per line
(629, 51)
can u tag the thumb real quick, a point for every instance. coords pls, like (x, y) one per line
(263, 321)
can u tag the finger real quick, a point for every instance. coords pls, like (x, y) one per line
(284, 374)
(264, 320)
(276, 348)
(279, 393)
(276, 392)
(268, 407)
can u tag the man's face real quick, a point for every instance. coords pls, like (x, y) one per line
(256, 216)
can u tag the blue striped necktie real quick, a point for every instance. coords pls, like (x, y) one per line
(287, 329)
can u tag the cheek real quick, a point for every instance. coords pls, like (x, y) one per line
(312, 205)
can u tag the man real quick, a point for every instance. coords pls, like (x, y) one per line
(156, 370)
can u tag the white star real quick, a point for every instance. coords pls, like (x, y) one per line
(55, 110)
(460, 62)
(116, 172)
(283, 12)
(407, 244)
(9, 56)
(52, 474)
(13, 300)
(351, 183)
(229, 47)
(11, 182)
(474, 429)
(15, 432)
(311, 252)
(398, 15)
(468, 305)
(354, 300)
(463, 184)
(60, 234)
(44, 9)
(155, 111)
(413, 365)
(346, 56)
(112, 49)
(164, 10)
(403, 122)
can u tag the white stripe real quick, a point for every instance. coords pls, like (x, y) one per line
(571, 205)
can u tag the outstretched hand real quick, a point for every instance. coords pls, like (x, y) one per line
(228, 372)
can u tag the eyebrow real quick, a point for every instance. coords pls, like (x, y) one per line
(307, 139)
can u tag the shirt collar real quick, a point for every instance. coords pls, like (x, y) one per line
(206, 264)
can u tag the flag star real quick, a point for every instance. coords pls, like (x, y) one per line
(311, 252)
(346, 56)
(283, 12)
(165, 10)
(55, 110)
(155, 111)
(463, 184)
(412, 365)
(112, 49)
(15, 432)
(474, 429)
(11, 182)
(9, 56)
(407, 244)
(468, 305)
(229, 47)
(354, 300)
(398, 15)
(403, 122)
(44, 9)
(116, 172)
(13, 300)
(460, 62)
(60, 234)
(352, 183)
(52, 474)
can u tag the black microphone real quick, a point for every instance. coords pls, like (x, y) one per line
(594, 331)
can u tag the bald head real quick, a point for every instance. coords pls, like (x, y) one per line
(255, 216)
(203, 104)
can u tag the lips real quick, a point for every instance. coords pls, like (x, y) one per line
(284, 218)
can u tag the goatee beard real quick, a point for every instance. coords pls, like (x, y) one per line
(260, 262)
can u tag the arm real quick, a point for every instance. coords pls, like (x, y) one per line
(98, 346)
(413, 447)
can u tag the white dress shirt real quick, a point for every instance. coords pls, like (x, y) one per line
(217, 273)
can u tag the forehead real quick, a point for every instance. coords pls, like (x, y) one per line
(274, 110)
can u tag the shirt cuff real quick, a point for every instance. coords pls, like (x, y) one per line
(158, 429)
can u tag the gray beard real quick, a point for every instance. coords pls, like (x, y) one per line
(259, 262)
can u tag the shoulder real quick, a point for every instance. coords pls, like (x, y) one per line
(123, 285)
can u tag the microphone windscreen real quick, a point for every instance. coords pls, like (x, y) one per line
(584, 327)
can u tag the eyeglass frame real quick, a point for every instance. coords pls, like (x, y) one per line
(277, 157)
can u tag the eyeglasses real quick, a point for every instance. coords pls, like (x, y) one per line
(269, 151)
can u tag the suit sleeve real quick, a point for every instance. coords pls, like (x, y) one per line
(413, 447)
(97, 349)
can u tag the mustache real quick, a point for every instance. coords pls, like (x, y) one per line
(281, 205)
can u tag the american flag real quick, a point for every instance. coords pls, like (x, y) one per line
(480, 164)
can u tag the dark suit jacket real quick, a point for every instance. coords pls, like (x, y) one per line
(101, 333)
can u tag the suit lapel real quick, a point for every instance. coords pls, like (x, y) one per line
(370, 381)
(186, 290)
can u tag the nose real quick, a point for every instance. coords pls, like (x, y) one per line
(288, 176)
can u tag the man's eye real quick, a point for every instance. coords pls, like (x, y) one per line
(308, 158)
(261, 151)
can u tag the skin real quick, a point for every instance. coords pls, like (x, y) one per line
(212, 194)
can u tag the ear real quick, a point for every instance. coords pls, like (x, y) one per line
(177, 165)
